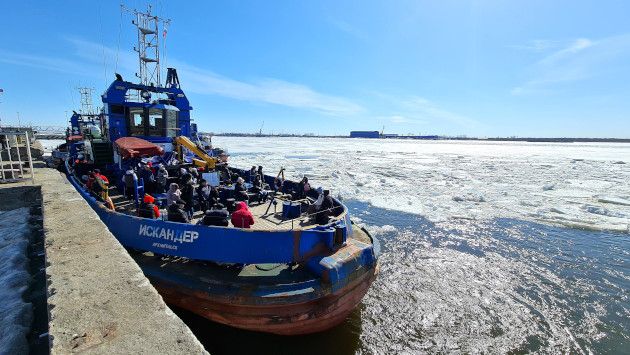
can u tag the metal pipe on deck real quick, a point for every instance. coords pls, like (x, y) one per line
(17, 149)
(6, 141)
(30, 157)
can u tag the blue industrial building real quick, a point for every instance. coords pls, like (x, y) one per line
(365, 134)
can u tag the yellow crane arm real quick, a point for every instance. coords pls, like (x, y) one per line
(205, 161)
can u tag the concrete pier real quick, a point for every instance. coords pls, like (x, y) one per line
(98, 299)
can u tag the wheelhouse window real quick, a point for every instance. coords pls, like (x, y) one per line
(155, 126)
(171, 123)
(136, 121)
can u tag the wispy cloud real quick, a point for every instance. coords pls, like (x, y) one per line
(427, 110)
(347, 28)
(47, 63)
(400, 119)
(537, 45)
(581, 59)
(266, 90)
(89, 56)
(419, 110)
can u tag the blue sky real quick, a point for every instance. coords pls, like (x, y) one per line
(477, 68)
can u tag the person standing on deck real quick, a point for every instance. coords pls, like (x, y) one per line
(203, 195)
(130, 179)
(242, 216)
(173, 195)
(188, 194)
(252, 173)
(162, 179)
(149, 178)
(260, 173)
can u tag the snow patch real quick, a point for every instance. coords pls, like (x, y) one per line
(15, 313)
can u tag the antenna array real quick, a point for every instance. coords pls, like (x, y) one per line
(148, 48)
(86, 101)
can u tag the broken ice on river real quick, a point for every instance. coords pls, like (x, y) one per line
(578, 185)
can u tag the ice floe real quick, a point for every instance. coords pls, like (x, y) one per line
(545, 182)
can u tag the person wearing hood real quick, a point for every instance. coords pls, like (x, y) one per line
(147, 208)
(162, 178)
(325, 209)
(242, 217)
(173, 195)
(240, 191)
(176, 213)
(217, 216)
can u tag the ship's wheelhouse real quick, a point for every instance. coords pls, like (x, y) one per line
(157, 120)
(155, 114)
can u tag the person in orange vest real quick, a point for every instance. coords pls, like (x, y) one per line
(102, 185)
(148, 209)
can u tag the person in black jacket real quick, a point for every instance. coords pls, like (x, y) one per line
(188, 194)
(214, 196)
(203, 195)
(240, 192)
(326, 209)
(176, 213)
(218, 216)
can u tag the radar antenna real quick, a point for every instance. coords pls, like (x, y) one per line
(148, 48)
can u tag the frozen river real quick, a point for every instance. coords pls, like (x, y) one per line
(487, 247)
(575, 185)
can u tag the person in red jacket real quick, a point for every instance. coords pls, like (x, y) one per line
(242, 216)
(148, 209)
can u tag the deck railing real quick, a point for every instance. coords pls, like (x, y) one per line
(14, 165)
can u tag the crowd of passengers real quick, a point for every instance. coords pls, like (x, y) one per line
(193, 193)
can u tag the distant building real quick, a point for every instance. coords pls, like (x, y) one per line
(365, 134)
(20, 138)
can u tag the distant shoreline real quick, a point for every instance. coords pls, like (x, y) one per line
(495, 139)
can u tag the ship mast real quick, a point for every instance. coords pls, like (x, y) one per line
(148, 48)
(86, 101)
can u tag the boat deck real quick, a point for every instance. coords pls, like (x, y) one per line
(263, 220)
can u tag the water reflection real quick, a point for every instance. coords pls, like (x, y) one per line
(220, 339)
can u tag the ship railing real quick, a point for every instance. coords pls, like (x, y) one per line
(307, 216)
(14, 164)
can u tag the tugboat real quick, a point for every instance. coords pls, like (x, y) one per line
(298, 269)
